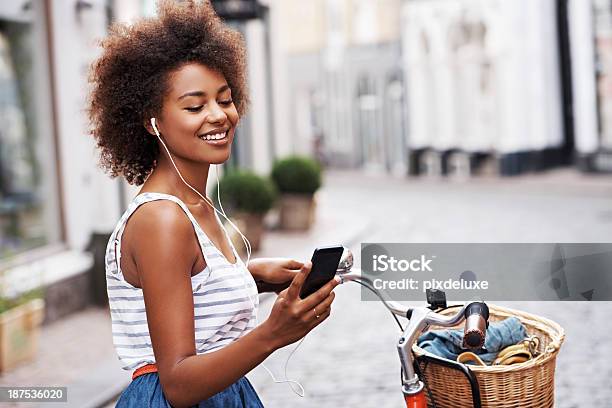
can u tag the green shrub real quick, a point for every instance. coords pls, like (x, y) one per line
(297, 174)
(245, 191)
(11, 303)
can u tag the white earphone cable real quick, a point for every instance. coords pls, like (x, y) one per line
(247, 245)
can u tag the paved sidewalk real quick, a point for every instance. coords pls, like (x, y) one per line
(351, 359)
(73, 352)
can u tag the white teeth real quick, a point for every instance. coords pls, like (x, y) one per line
(217, 136)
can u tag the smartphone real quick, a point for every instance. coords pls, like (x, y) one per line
(325, 261)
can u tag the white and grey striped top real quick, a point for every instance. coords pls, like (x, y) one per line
(224, 296)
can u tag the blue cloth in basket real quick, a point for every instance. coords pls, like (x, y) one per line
(448, 343)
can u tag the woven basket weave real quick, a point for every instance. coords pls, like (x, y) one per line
(525, 385)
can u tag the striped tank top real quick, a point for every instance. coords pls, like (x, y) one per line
(224, 295)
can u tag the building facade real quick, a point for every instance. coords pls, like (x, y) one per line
(483, 77)
(448, 86)
(53, 196)
(524, 83)
(591, 35)
(345, 80)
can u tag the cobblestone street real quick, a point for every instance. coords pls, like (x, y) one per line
(351, 359)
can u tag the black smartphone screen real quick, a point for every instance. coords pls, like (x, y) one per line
(325, 262)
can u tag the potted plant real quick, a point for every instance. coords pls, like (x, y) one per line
(20, 320)
(248, 197)
(297, 179)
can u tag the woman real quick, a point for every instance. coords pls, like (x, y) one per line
(167, 95)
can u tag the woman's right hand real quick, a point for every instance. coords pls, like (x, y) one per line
(291, 317)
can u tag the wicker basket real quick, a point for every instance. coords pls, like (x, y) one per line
(524, 385)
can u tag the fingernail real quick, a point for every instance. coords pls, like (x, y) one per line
(338, 279)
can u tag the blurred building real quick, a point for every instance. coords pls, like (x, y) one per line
(520, 83)
(344, 75)
(484, 78)
(52, 195)
(592, 62)
(448, 86)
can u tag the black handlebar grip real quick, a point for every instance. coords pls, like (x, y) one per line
(477, 321)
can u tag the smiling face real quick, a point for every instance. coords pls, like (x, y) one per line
(198, 117)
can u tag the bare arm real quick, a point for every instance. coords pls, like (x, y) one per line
(273, 274)
(164, 263)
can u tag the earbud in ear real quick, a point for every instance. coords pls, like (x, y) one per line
(154, 126)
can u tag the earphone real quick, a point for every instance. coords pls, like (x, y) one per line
(247, 245)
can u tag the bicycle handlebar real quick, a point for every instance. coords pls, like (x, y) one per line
(476, 315)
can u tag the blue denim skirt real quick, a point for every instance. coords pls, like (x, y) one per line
(146, 391)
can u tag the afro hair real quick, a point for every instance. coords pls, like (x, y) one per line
(130, 78)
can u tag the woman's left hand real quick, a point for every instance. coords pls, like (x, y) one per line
(274, 274)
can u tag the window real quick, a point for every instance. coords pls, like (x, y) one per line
(28, 213)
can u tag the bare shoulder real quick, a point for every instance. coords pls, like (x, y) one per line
(164, 215)
(159, 231)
